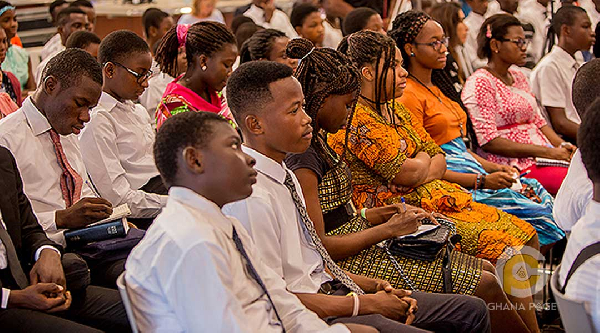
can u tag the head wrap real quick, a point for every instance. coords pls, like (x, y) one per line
(182, 31)
(5, 9)
(408, 25)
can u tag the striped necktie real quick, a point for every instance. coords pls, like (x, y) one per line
(70, 181)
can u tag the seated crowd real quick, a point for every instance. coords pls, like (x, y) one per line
(349, 167)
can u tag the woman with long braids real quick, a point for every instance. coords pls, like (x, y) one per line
(331, 86)
(267, 44)
(211, 51)
(445, 121)
(385, 146)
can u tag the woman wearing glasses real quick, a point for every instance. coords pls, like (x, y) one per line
(509, 127)
(436, 106)
(211, 51)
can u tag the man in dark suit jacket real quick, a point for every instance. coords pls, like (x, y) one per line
(43, 303)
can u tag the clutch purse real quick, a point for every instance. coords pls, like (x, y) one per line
(424, 246)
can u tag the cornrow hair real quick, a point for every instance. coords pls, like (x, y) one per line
(259, 45)
(368, 47)
(406, 28)
(322, 72)
(203, 38)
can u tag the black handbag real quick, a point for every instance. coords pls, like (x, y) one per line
(425, 246)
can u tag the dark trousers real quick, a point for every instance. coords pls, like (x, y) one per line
(94, 310)
(436, 313)
(154, 185)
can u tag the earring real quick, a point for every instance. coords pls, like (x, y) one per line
(412, 54)
(497, 51)
(203, 67)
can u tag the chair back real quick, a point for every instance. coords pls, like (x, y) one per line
(122, 285)
(573, 314)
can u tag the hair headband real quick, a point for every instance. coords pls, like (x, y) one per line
(182, 31)
(309, 52)
(6, 8)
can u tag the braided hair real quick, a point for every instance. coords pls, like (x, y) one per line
(368, 47)
(322, 72)
(406, 28)
(259, 45)
(203, 38)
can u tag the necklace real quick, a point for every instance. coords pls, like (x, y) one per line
(454, 112)
(507, 80)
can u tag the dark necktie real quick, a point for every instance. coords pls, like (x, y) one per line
(309, 229)
(70, 180)
(254, 274)
(13, 260)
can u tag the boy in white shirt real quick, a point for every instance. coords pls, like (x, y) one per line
(117, 142)
(265, 14)
(197, 270)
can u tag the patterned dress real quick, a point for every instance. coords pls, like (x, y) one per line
(335, 192)
(178, 99)
(376, 150)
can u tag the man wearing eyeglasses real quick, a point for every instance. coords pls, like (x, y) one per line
(117, 142)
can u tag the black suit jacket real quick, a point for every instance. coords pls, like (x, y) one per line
(21, 223)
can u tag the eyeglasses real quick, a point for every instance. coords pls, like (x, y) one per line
(520, 42)
(437, 45)
(139, 77)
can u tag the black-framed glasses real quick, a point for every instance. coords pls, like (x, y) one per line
(139, 77)
(520, 42)
(437, 44)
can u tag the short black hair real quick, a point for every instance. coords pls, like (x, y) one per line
(70, 65)
(588, 140)
(357, 20)
(259, 45)
(81, 3)
(54, 4)
(248, 86)
(565, 15)
(498, 25)
(63, 16)
(119, 45)
(178, 132)
(153, 17)
(586, 86)
(300, 12)
(238, 21)
(82, 39)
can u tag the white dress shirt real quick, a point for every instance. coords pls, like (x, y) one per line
(4, 263)
(584, 284)
(117, 151)
(26, 133)
(274, 223)
(552, 81)
(333, 36)
(575, 193)
(186, 275)
(53, 45)
(279, 20)
(473, 22)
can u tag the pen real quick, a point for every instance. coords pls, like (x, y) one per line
(403, 203)
(524, 173)
(92, 187)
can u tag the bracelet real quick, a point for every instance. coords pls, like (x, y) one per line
(356, 305)
(564, 144)
(482, 184)
(477, 182)
(363, 213)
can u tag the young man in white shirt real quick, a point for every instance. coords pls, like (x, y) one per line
(552, 78)
(584, 281)
(197, 270)
(69, 20)
(265, 14)
(267, 103)
(117, 142)
(54, 44)
(576, 189)
(42, 137)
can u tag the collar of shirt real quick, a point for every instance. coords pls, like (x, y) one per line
(565, 58)
(204, 207)
(37, 121)
(108, 102)
(266, 165)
